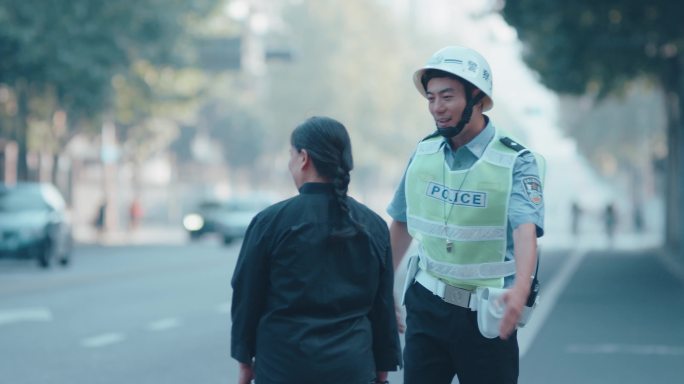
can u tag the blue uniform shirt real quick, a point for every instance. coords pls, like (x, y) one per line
(521, 208)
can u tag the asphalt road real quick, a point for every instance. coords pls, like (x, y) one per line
(619, 319)
(160, 314)
(605, 316)
(144, 314)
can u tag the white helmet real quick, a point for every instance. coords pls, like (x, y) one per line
(464, 63)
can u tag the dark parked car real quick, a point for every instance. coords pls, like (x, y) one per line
(229, 219)
(35, 223)
(202, 221)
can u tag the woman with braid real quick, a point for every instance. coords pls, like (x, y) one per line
(312, 288)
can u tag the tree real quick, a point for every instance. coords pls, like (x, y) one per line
(71, 49)
(600, 47)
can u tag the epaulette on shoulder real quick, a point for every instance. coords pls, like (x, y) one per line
(510, 143)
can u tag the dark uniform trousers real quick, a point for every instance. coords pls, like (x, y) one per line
(442, 340)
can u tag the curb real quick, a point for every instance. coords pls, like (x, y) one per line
(145, 235)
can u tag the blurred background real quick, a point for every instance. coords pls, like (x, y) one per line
(151, 117)
(167, 103)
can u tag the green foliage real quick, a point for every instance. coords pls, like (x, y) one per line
(598, 46)
(77, 46)
(59, 57)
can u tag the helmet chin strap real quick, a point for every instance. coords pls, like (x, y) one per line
(450, 132)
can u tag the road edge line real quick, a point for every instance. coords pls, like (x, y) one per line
(673, 266)
(547, 300)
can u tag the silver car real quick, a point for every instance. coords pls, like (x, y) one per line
(35, 223)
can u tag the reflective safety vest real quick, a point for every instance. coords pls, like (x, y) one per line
(459, 218)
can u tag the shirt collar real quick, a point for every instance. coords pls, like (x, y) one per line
(309, 188)
(479, 143)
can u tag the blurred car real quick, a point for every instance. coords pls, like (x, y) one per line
(236, 214)
(35, 223)
(202, 221)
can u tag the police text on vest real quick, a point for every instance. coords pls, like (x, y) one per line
(457, 197)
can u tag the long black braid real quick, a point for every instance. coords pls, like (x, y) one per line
(327, 142)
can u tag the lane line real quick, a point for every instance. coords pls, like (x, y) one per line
(24, 314)
(164, 324)
(547, 300)
(102, 340)
(609, 349)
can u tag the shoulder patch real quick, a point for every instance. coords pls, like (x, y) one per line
(510, 143)
(533, 189)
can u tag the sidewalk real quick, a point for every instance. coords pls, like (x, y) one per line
(149, 234)
(623, 241)
(626, 243)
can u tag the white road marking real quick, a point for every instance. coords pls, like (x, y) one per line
(223, 307)
(675, 267)
(547, 300)
(26, 314)
(102, 340)
(594, 349)
(164, 324)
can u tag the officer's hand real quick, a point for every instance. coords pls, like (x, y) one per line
(246, 374)
(401, 326)
(515, 299)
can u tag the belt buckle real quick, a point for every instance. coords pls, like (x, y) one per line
(456, 296)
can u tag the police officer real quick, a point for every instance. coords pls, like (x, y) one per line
(472, 199)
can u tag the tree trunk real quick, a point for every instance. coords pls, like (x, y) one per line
(21, 129)
(674, 196)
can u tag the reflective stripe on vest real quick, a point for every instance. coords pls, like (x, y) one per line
(455, 232)
(466, 271)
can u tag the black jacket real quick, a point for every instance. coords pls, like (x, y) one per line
(309, 308)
